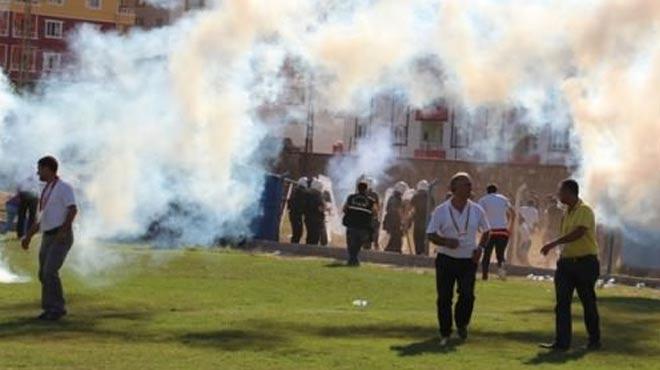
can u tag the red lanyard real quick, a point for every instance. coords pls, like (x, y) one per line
(46, 197)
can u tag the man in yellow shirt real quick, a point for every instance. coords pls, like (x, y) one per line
(578, 268)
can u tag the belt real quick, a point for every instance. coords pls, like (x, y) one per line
(578, 259)
(52, 232)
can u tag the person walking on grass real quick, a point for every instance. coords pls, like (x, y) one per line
(57, 208)
(358, 219)
(500, 215)
(454, 227)
(578, 269)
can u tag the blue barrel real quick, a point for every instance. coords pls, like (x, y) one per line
(266, 226)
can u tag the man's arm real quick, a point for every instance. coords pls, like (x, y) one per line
(476, 255)
(25, 243)
(441, 241)
(574, 235)
(70, 216)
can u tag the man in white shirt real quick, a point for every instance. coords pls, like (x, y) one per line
(500, 214)
(454, 226)
(57, 207)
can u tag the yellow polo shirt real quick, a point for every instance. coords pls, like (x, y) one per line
(581, 215)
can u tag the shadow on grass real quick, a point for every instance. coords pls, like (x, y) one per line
(85, 324)
(545, 357)
(431, 345)
(337, 265)
(235, 340)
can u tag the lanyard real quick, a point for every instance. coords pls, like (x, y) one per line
(453, 220)
(45, 197)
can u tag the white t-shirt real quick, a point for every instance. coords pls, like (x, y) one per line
(495, 206)
(530, 214)
(462, 226)
(55, 205)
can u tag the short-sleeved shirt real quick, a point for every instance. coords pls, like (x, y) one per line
(448, 222)
(496, 206)
(54, 203)
(580, 215)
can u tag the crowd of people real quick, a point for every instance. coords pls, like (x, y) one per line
(402, 213)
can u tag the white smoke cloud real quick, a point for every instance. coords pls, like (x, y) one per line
(372, 158)
(154, 118)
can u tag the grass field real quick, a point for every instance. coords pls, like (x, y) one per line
(220, 309)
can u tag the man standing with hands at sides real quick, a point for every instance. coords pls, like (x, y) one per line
(577, 269)
(57, 208)
(453, 227)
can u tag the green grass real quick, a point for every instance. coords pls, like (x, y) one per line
(229, 310)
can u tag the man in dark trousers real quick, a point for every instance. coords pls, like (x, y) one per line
(314, 213)
(296, 206)
(358, 219)
(393, 221)
(578, 269)
(421, 203)
(28, 193)
(454, 227)
(57, 207)
(500, 215)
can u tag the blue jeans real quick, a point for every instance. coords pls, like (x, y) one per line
(11, 211)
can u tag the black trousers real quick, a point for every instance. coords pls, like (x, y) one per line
(450, 272)
(356, 238)
(296, 220)
(419, 235)
(27, 213)
(396, 241)
(314, 227)
(499, 243)
(576, 274)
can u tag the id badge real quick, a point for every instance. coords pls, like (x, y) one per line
(463, 239)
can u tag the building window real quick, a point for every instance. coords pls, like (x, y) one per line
(4, 23)
(94, 4)
(400, 135)
(560, 140)
(23, 61)
(54, 29)
(432, 135)
(3, 56)
(56, 2)
(52, 61)
(24, 26)
(459, 135)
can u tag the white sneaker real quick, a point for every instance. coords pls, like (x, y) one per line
(501, 273)
(444, 341)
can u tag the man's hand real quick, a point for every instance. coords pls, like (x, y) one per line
(476, 255)
(451, 243)
(25, 242)
(547, 248)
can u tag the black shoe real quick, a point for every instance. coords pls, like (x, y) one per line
(463, 333)
(554, 347)
(593, 346)
(51, 316)
(42, 316)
